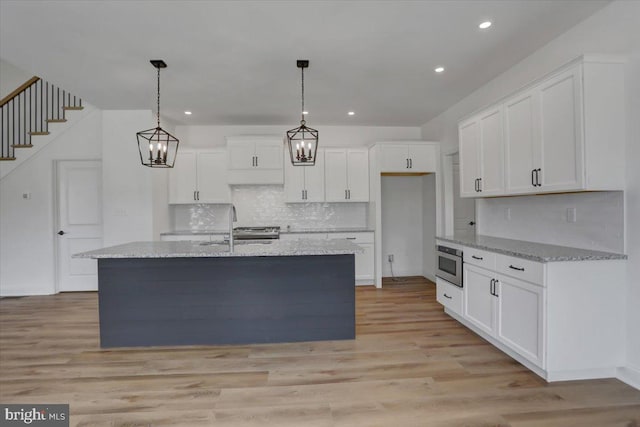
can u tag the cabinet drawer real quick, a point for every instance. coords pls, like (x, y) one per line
(366, 237)
(449, 295)
(519, 268)
(479, 258)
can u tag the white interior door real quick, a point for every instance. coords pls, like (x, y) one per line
(79, 203)
(464, 210)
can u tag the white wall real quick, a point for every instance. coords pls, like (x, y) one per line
(599, 219)
(330, 136)
(11, 77)
(128, 187)
(612, 30)
(402, 225)
(27, 227)
(429, 226)
(633, 215)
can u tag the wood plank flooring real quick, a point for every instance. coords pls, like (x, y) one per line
(410, 365)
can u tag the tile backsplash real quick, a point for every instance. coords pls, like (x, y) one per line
(599, 219)
(265, 205)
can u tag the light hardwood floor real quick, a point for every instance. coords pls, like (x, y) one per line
(410, 365)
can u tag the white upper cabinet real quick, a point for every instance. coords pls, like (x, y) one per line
(491, 153)
(562, 133)
(407, 158)
(521, 142)
(304, 184)
(199, 177)
(255, 160)
(561, 144)
(469, 135)
(346, 175)
(482, 155)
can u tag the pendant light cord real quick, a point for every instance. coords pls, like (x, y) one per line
(158, 114)
(302, 112)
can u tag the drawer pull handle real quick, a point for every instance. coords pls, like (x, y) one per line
(447, 296)
(517, 268)
(477, 257)
(351, 238)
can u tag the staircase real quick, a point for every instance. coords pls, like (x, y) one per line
(27, 112)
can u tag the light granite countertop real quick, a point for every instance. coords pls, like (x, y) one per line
(530, 250)
(282, 231)
(246, 248)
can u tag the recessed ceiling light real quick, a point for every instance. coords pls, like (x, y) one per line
(484, 25)
(439, 69)
(305, 112)
(351, 113)
(188, 113)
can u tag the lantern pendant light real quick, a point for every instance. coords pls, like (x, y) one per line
(303, 140)
(158, 148)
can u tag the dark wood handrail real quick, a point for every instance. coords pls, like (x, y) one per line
(19, 90)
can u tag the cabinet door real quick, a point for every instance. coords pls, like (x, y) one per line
(469, 135)
(478, 301)
(520, 315)
(314, 179)
(561, 142)
(212, 177)
(521, 124)
(423, 158)
(269, 155)
(358, 175)
(335, 167)
(241, 155)
(491, 153)
(365, 262)
(182, 179)
(394, 158)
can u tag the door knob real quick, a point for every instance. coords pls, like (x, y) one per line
(60, 233)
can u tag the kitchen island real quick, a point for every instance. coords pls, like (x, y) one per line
(190, 293)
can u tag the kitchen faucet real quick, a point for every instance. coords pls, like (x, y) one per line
(232, 218)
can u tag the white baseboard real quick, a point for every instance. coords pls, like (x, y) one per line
(12, 293)
(581, 374)
(630, 375)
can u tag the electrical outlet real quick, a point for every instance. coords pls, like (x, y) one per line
(571, 215)
(507, 214)
(390, 257)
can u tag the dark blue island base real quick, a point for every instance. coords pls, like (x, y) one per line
(225, 300)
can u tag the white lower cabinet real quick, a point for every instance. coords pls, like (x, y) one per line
(364, 260)
(449, 295)
(507, 309)
(520, 317)
(479, 304)
(559, 319)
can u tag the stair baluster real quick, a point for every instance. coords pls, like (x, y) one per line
(27, 112)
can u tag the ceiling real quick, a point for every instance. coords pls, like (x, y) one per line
(234, 62)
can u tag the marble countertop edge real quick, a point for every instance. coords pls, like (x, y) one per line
(540, 252)
(188, 249)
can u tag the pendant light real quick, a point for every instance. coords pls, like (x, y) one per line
(303, 141)
(158, 148)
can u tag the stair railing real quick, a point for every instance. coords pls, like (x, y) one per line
(28, 110)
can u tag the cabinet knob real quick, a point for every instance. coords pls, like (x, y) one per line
(61, 233)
